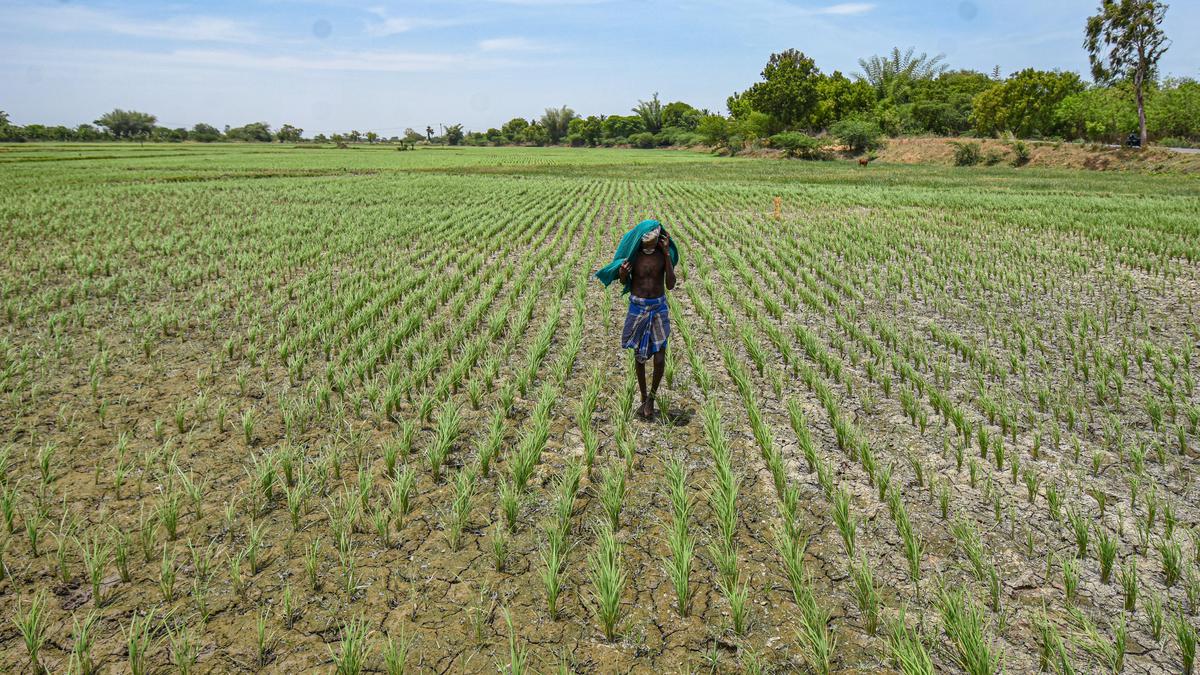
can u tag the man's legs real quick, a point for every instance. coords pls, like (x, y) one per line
(660, 365)
(640, 368)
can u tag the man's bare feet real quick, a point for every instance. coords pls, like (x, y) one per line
(646, 410)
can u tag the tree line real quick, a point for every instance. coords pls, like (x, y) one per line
(899, 93)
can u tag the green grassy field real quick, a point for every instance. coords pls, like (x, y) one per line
(298, 410)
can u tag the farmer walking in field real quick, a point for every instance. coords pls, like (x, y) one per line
(645, 263)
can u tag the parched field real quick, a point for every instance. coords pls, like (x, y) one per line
(295, 410)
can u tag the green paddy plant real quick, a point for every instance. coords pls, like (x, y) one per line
(351, 657)
(312, 564)
(83, 639)
(248, 426)
(737, 597)
(1152, 605)
(96, 554)
(866, 594)
(1172, 560)
(964, 624)
(459, 512)
(185, 648)
(518, 654)
(31, 624)
(906, 650)
(1129, 583)
(1081, 527)
(1184, 633)
(400, 497)
(553, 554)
(449, 425)
(510, 503)
(845, 520)
(608, 577)
(612, 493)
(1070, 575)
(395, 653)
(1106, 550)
(139, 642)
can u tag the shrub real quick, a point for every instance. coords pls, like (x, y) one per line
(796, 144)
(644, 139)
(1021, 153)
(993, 157)
(966, 154)
(860, 135)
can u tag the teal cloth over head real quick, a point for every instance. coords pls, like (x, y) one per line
(629, 248)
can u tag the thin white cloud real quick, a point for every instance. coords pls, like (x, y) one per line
(509, 44)
(183, 28)
(386, 24)
(845, 9)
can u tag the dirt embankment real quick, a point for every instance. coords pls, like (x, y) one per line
(929, 150)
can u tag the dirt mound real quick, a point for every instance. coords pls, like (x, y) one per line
(928, 150)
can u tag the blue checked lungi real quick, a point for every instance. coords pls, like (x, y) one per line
(647, 327)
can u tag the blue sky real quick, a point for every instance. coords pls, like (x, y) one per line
(330, 65)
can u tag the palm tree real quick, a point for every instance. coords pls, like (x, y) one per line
(651, 113)
(887, 74)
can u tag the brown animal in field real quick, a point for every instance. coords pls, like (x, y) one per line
(863, 161)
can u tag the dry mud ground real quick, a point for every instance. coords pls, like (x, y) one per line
(176, 278)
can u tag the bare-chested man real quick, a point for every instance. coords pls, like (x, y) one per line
(649, 272)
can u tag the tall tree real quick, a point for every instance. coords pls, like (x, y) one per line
(787, 92)
(651, 113)
(557, 121)
(127, 123)
(889, 75)
(1125, 40)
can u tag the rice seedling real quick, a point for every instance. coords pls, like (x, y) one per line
(845, 520)
(1152, 604)
(553, 555)
(312, 564)
(248, 426)
(1172, 560)
(351, 657)
(95, 555)
(395, 653)
(612, 493)
(400, 497)
(140, 641)
(737, 597)
(31, 623)
(608, 576)
(866, 594)
(1106, 550)
(518, 655)
(184, 648)
(83, 639)
(963, 623)
(1185, 638)
(448, 427)
(906, 649)
(459, 512)
(1070, 575)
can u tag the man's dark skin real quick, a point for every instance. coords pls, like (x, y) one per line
(652, 274)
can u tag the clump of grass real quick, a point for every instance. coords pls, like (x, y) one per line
(459, 512)
(82, 640)
(1153, 606)
(679, 539)
(736, 597)
(607, 571)
(963, 622)
(908, 652)
(1185, 638)
(844, 518)
(31, 623)
(139, 642)
(866, 594)
(351, 657)
(1172, 560)
(448, 427)
(395, 654)
(612, 493)
(1129, 583)
(1106, 549)
(554, 557)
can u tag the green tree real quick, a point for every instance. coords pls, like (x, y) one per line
(1125, 40)
(1174, 111)
(259, 132)
(372, 137)
(290, 134)
(889, 75)
(535, 134)
(412, 136)
(788, 91)
(205, 133)
(1098, 114)
(838, 97)
(621, 126)
(714, 130)
(682, 115)
(454, 134)
(514, 128)
(127, 123)
(586, 130)
(942, 105)
(1024, 104)
(651, 113)
(556, 122)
